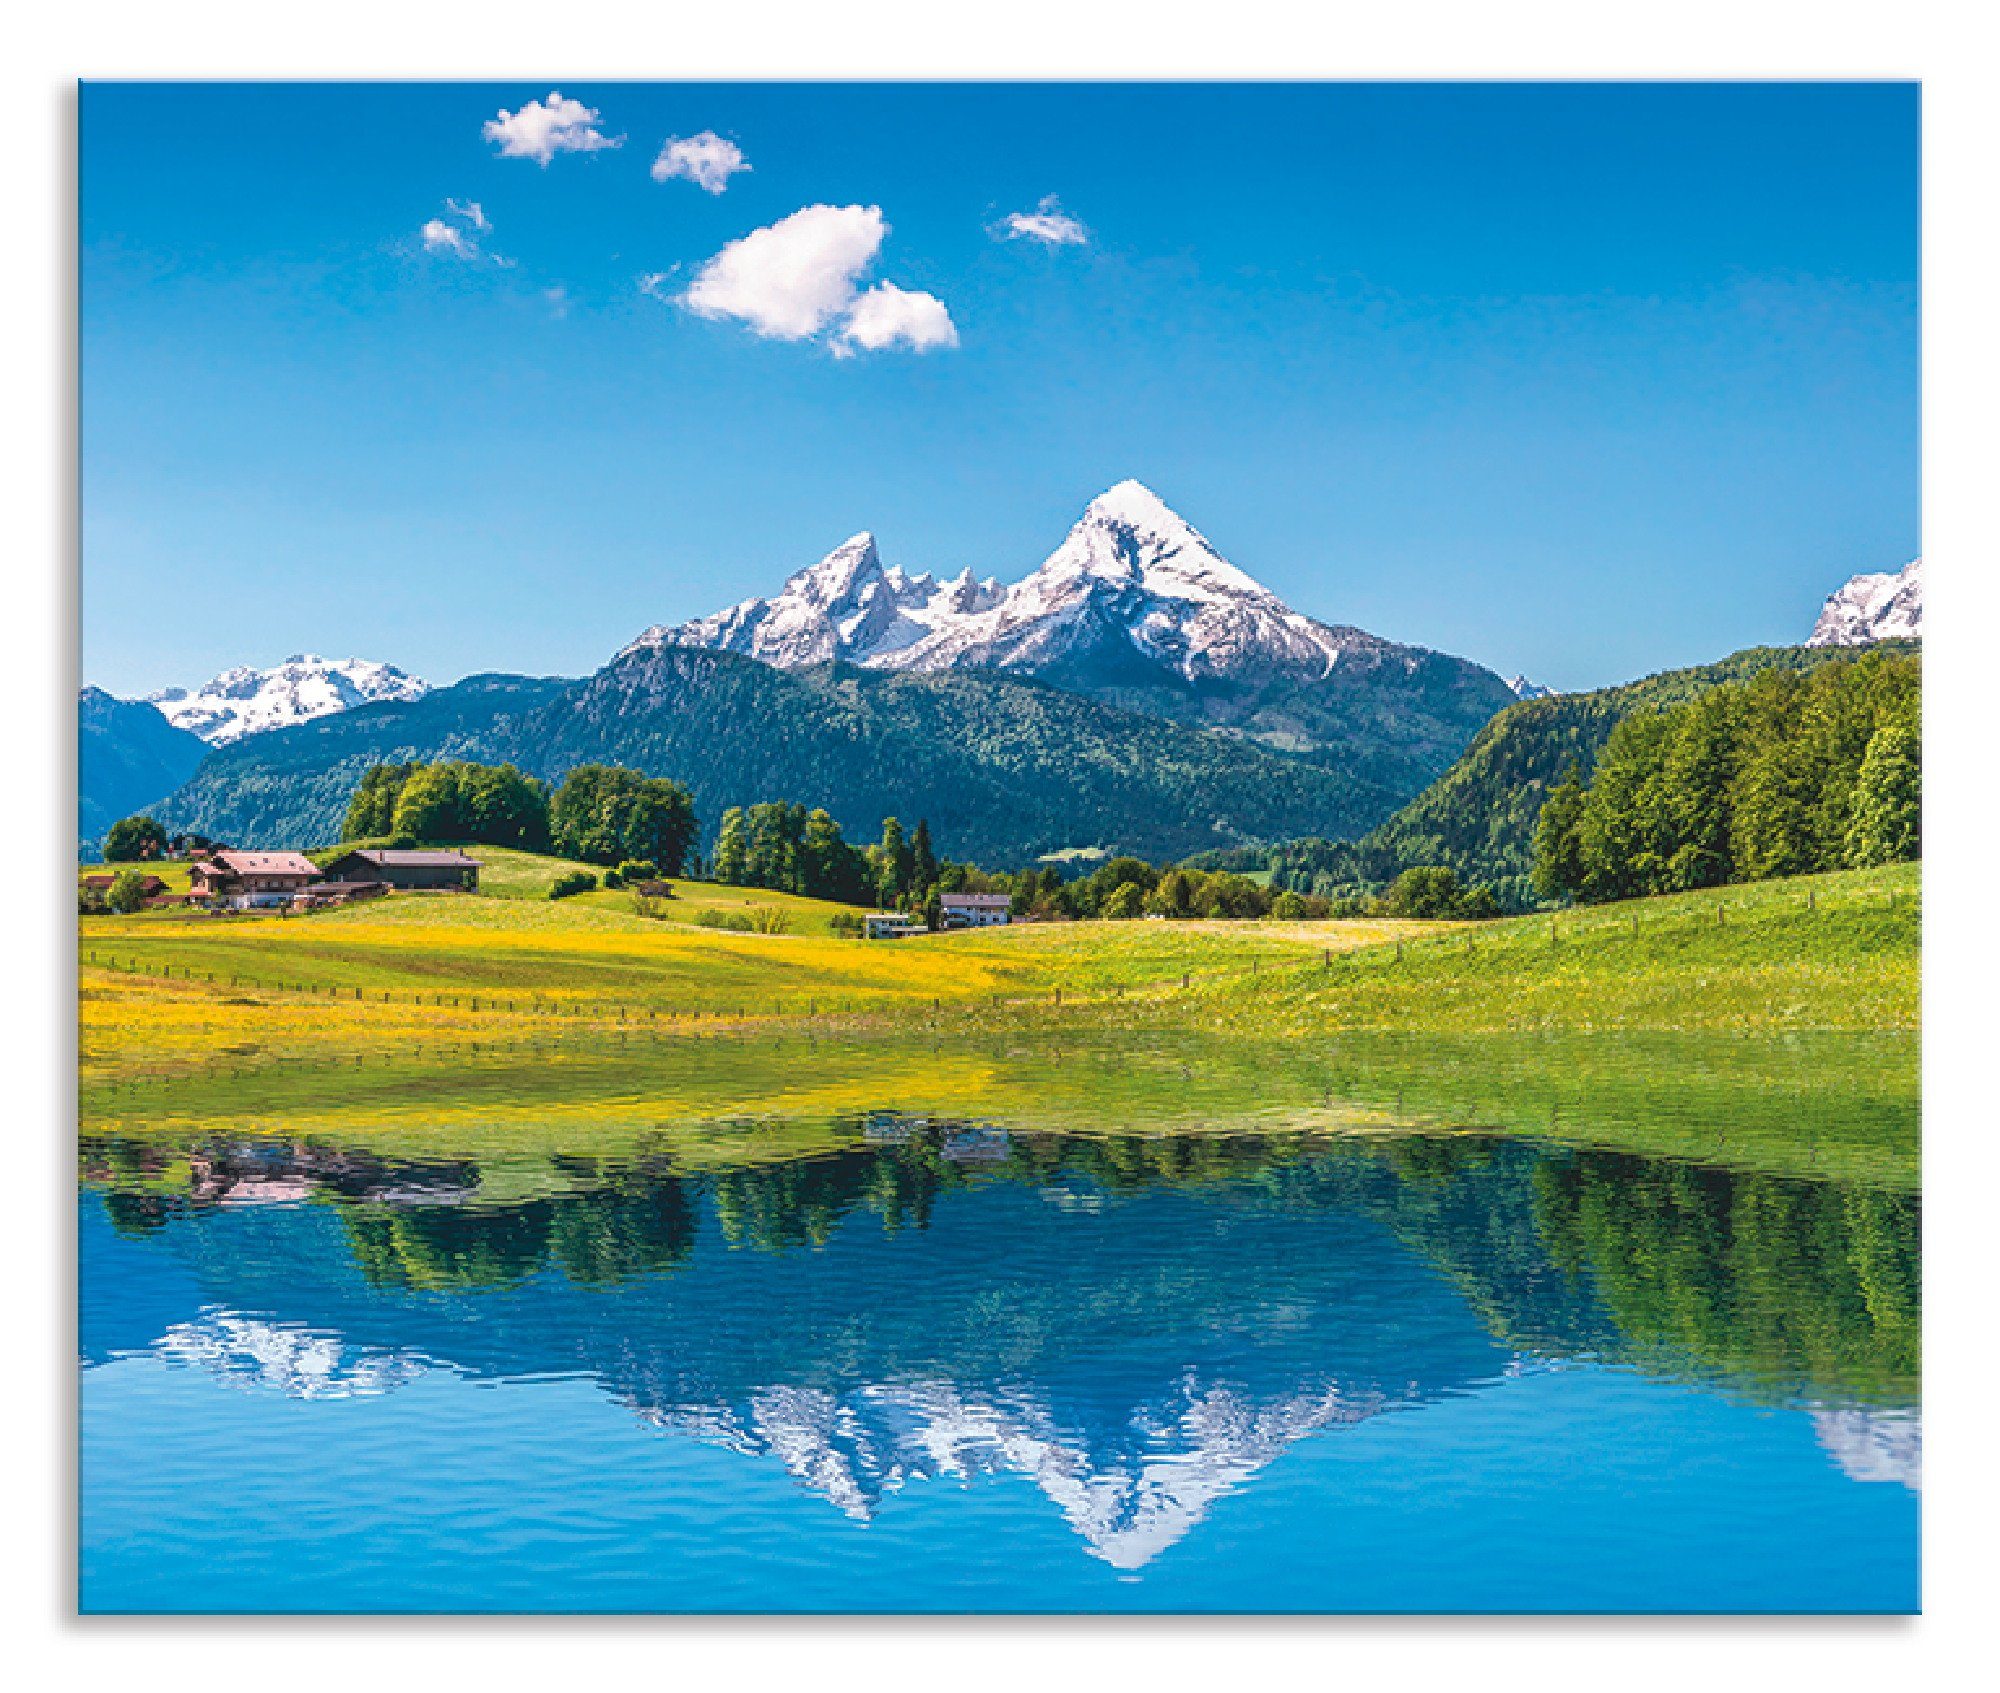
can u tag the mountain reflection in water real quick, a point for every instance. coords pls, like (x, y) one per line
(1137, 1325)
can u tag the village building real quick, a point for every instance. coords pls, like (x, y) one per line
(975, 911)
(890, 925)
(406, 868)
(252, 875)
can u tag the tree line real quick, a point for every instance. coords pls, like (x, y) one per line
(1781, 775)
(600, 814)
(783, 846)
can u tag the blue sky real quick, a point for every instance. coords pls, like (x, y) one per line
(1579, 380)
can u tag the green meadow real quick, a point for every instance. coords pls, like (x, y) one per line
(1771, 1026)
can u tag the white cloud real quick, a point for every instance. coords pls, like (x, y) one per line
(890, 317)
(557, 300)
(706, 160)
(1048, 223)
(654, 282)
(441, 237)
(801, 276)
(790, 279)
(539, 131)
(456, 234)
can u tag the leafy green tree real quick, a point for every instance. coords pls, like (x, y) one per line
(777, 833)
(1124, 902)
(132, 840)
(1886, 825)
(502, 807)
(127, 893)
(1698, 779)
(572, 882)
(603, 813)
(371, 812)
(732, 849)
(1433, 891)
(429, 807)
(894, 863)
(1558, 868)
(1172, 895)
(923, 860)
(1622, 837)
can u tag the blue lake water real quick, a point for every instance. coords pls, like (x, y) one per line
(957, 1367)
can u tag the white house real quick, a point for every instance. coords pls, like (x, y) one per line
(888, 925)
(975, 911)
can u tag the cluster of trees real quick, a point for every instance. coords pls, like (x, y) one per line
(601, 813)
(1781, 775)
(133, 840)
(605, 814)
(783, 846)
(449, 800)
(786, 847)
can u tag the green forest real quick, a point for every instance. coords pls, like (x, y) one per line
(1780, 775)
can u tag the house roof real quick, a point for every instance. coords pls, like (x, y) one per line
(412, 858)
(266, 863)
(976, 902)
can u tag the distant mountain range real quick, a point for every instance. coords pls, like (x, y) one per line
(245, 701)
(127, 757)
(1136, 691)
(1138, 609)
(1885, 606)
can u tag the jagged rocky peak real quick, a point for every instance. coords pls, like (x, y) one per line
(1523, 689)
(1129, 535)
(1132, 582)
(1877, 606)
(249, 701)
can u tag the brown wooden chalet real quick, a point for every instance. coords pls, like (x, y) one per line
(406, 868)
(227, 874)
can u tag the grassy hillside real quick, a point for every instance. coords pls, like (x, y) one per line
(1479, 816)
(1839, 951)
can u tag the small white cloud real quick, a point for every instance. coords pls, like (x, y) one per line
(456, 234)
(890, 317)
(441, 237)
(1048, 223)
(557, 300)
(792, 278)
(706, 160)
(540, 132)
(654, 282)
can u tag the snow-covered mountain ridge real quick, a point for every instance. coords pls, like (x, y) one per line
(1133, 584)
(1882, 605)
(247, 701)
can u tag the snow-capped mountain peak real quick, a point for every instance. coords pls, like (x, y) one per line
(1523, 689)
(1130, 536)
(248, 701)
(1133, 588)
(1876, 606)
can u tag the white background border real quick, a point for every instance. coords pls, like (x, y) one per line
(1949, 47)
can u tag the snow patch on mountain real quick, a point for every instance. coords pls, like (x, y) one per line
(1881, 606)
(1523, 689)
(1132, 577)
(246, 701)
(849, 606)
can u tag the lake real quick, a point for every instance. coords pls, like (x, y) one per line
(1404, 1326)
